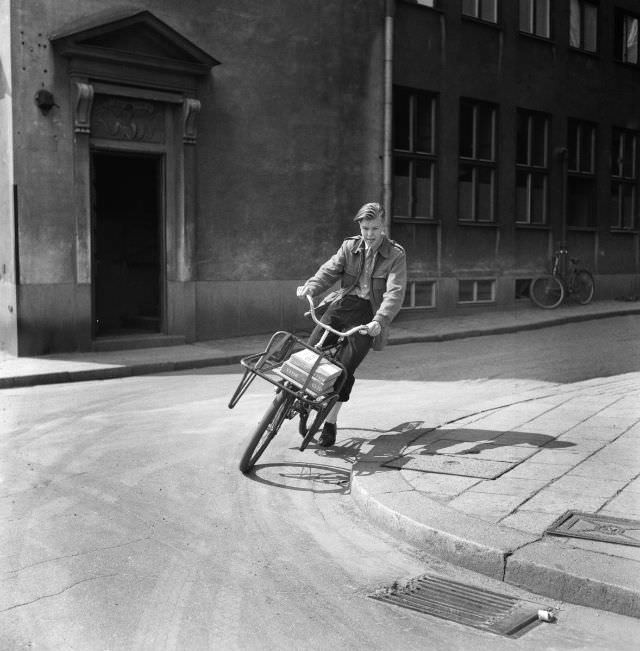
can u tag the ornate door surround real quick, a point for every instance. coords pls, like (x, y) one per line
(133, 89)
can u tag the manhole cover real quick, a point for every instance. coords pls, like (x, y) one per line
(603, 528)
(461, 603)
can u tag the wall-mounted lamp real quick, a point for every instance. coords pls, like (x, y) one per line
(44, 101)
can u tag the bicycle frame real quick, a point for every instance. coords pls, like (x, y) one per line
(563, 268)
(292, 397)
(567, 278)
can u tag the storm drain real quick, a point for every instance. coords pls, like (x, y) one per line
(602, 528)
(465, 604)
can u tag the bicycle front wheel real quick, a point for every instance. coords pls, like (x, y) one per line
(583, 287)
(546, 292)
(266, 429)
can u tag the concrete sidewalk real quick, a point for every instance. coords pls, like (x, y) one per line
(482, 490)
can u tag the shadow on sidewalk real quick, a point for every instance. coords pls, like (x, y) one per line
(412, 440)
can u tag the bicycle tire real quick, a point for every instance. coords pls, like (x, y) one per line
(266, 429)
(583, 287)
(546, 292)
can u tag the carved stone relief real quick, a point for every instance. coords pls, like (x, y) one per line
(117, 118)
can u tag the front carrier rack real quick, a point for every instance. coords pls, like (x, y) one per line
(268, 365)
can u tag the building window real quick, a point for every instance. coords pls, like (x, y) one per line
(581, 181)
(624, 179)
(476, 291)
(532, 171)
(583, 25)
(482, 9)
(414, 157)
(477, 171)
(534, 17)
(626, 38)
(420, 294)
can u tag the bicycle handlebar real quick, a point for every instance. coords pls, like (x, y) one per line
(348, 333)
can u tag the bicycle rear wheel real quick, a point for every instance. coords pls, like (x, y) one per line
(266, 429)
(546, 292)
(583, 287)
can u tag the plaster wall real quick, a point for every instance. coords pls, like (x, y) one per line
(8, 306)
(289, 149)
(289, 146)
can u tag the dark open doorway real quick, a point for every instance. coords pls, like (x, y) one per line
(127, 243)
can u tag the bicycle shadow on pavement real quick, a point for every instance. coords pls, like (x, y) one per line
(409, 441)
(301, 476)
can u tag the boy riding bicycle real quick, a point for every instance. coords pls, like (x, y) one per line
(372, 271)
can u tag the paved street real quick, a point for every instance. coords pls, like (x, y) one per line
(128, 526)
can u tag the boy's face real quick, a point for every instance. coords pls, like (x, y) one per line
(372, 231)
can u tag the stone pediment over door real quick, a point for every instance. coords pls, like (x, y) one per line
(128, 46)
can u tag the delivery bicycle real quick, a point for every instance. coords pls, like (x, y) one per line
(307, 381)
(550, 290)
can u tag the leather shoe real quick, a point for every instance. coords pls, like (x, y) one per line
(328, 436)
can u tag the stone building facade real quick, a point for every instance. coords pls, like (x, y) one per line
(171, 171)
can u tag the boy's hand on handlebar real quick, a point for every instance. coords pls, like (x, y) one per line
(372, 329)
(303, 291)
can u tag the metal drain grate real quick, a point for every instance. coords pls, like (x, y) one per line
(602, 528)
(465, 604)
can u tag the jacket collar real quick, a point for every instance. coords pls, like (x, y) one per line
(384, 249)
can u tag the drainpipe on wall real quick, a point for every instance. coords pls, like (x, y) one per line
(389, 12)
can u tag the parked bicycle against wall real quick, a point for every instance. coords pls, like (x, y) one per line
(567, 279)
(307, 378)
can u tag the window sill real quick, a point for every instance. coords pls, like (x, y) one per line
(417, 308)
(415, 220)
(537, 37)
(624, 231)
(480, 21)
(532, 227)
(461, 222)
(582, 229)
(628, 65)
(587, 53)
(478, 303)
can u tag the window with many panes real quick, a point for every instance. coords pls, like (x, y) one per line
(477, 162)
(581, 181)
(414, 155)
(583, 25)
(481, 9)
(532, 167)
(624, 179)
(420, 293)
(534, 17)
(626, 37)
(477, 290)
